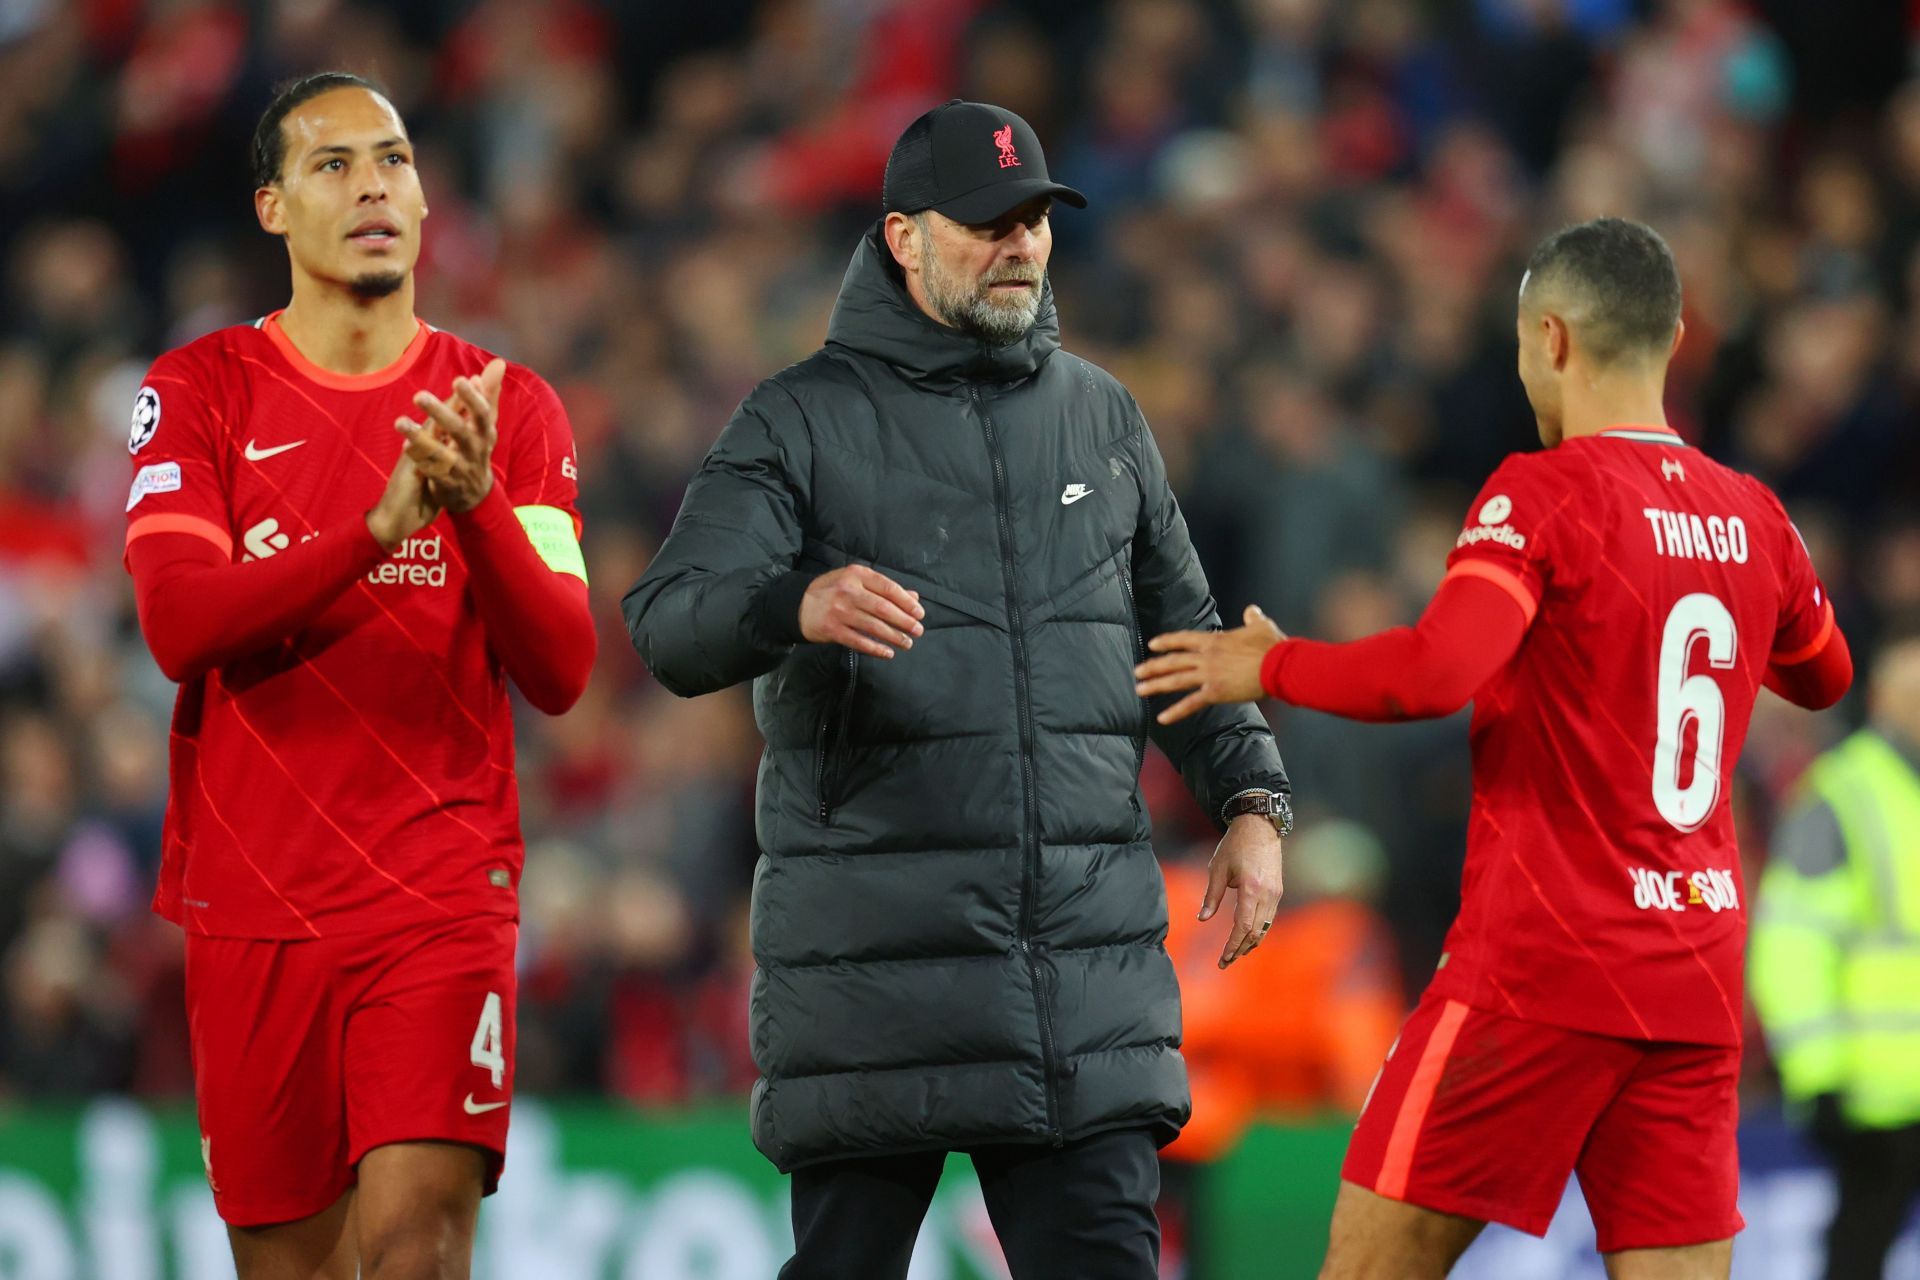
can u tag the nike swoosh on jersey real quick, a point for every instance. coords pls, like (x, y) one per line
(481, 1108)
(1073, 493)
(255, 453)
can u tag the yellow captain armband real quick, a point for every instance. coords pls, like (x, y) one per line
(550, 530)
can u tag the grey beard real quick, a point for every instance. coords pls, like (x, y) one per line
(998, 323)
(973, 311)
(378, 284)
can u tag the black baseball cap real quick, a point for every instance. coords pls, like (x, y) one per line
(970, 161)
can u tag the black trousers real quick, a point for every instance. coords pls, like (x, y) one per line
(1879, 1176)
(1079, 1212)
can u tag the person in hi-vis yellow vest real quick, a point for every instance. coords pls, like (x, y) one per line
(1835, 964)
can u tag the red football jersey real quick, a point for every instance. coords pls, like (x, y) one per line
(1602, 888)
(359, 776)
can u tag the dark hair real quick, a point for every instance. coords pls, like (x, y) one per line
(270, 143)
(1621, 277)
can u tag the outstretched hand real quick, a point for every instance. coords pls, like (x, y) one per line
(1218, 666)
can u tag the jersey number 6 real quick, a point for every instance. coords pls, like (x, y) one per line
(1691, 699)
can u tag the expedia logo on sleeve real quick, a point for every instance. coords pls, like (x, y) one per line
(1493, 526)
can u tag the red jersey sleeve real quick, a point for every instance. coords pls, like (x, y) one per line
(528, 577)
(1809, 664)
(540, 465)
(1806, 615)
(1508, 538)
(180, 482)
(1468, 632)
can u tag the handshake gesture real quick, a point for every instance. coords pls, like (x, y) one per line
(447, 462)
(1209, 666)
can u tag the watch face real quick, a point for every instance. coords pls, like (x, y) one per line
(1272, 805)
(1282, 812)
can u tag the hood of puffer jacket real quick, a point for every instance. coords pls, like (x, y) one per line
(874, 315)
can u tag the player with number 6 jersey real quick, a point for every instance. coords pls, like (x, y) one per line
(1602, 890)
(348, 531)
(1613, 605)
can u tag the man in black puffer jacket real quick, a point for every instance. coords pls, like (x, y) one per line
(934, 546)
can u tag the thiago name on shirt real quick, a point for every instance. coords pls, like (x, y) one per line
(1683, 535)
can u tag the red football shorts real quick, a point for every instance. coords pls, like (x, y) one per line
(307, 1054)
(1484, 1116)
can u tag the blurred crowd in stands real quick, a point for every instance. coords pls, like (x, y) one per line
(1307, 224)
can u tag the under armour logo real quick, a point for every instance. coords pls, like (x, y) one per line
(1670, 467)
(1003, 138)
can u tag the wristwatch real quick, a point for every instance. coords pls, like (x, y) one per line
(1273, 805)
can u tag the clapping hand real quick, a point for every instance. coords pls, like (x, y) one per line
(407, 505)
(453, 448)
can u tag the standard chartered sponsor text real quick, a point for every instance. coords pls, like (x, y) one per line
(417, 562)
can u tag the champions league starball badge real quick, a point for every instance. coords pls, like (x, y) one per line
(146, 419)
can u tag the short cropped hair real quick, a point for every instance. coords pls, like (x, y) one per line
(270, 142)
(1618, 281)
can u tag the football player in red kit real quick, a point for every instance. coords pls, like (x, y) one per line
(1612, 608)
(347, 531)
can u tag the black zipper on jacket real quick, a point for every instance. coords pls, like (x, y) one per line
(1030, 839)
(1139, 655)
(827, 745)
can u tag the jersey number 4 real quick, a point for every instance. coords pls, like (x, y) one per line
(488, 1046)
(1691, 700)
